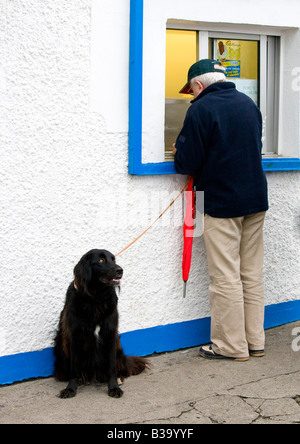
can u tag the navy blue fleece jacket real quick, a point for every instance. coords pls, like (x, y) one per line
(220, 145)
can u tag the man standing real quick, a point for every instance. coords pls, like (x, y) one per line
(220, 145)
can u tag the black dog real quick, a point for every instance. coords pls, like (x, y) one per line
(87, 346)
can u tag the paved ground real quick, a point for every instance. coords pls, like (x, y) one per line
(180, 388)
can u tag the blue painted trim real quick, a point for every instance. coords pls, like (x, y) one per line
(140, 342)
(135, 165)
(135, 86)
(152, 169)
(270, 164)
(281, 164)
(283, 313)
(165, 338)
(26, 365)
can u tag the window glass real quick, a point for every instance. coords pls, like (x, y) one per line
(251, 62)
(240, 58)
(181, 53)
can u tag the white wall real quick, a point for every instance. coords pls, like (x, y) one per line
(64, 186)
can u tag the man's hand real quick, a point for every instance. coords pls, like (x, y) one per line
(174, 150)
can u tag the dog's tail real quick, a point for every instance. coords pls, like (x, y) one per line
(131, 365)
(136, 364)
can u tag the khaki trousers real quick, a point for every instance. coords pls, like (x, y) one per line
(235, 260)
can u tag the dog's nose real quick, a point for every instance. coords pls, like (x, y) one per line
(119, 271)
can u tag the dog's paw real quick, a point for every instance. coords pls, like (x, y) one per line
(67, 393)
(116, 392)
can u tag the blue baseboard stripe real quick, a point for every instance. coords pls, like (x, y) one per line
(23, 366)
(279, 314)
(144, 342)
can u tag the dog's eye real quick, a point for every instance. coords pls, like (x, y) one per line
(101, 261)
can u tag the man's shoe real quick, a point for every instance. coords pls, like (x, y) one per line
(208, 353)
(257, 353)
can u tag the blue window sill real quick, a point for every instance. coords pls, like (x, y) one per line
(269, 164)
(281, 164)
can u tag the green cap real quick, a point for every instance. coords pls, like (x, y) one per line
(201, 67)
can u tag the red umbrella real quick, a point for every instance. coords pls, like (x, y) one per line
(188, 231)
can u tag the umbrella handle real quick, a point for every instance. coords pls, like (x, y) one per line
(184, 289)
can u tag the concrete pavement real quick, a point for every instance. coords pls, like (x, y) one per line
(180, 388)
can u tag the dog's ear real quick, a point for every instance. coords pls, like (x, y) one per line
(83, 273)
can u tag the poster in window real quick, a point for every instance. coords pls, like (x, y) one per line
(229, 53)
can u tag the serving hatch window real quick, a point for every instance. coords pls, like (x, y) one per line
(251, 62)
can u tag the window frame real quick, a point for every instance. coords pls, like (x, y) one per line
(135, 130)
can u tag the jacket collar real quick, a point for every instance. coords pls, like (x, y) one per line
(219, 86)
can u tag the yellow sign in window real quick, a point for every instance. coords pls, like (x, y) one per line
(240, 58)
